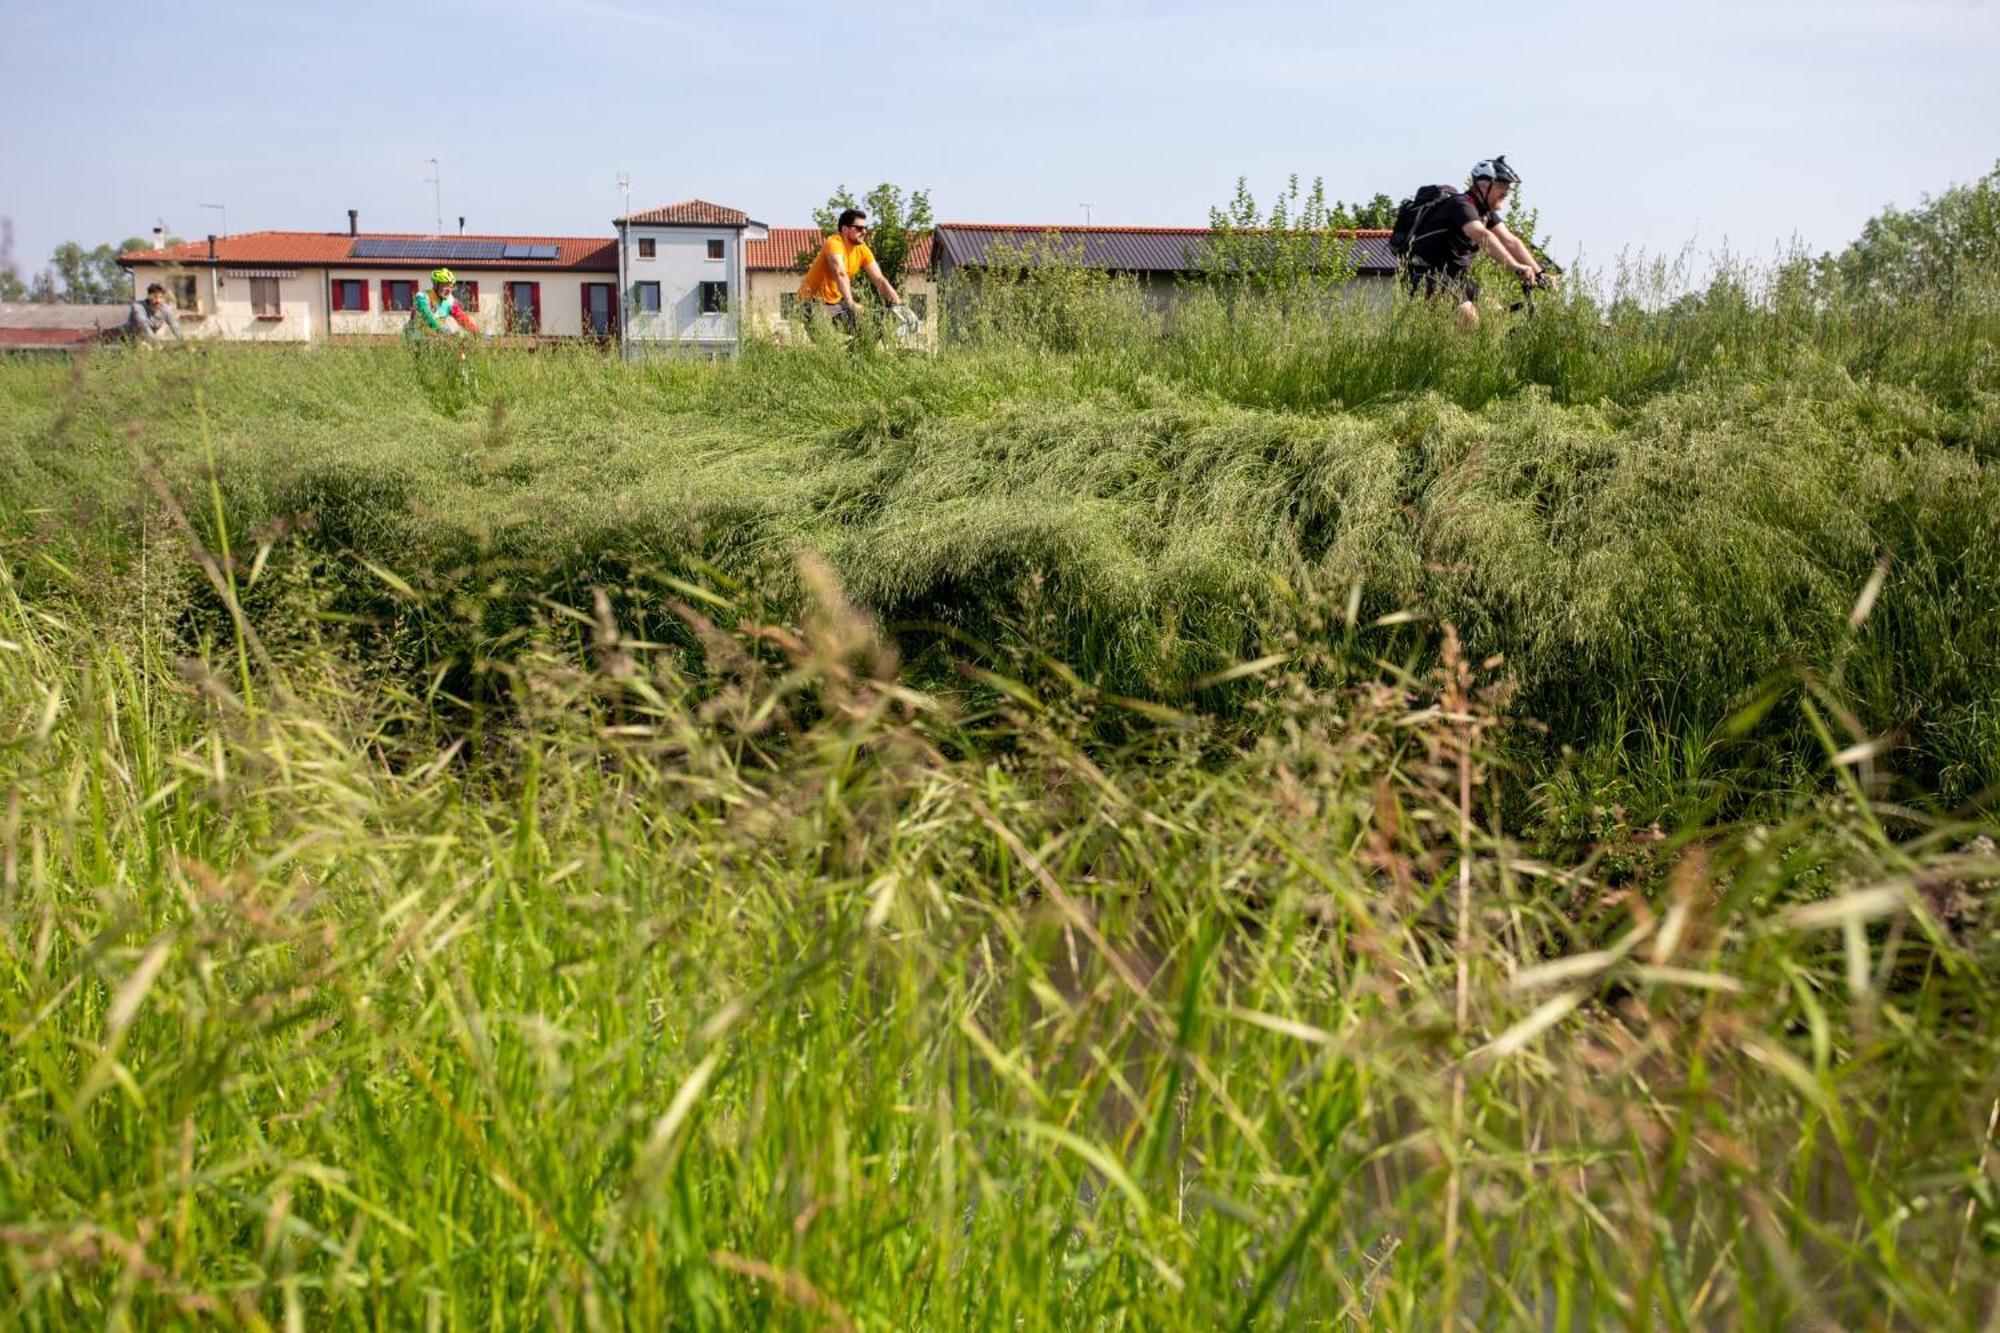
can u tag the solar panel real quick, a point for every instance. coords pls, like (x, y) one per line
(434, 247)
(528, 252)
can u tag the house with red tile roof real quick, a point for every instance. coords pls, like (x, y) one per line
(681, 267)
(311, 286)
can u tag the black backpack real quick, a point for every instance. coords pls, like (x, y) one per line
(1410, 216)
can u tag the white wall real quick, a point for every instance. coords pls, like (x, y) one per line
(561, 299)
(680, 264)
(224, 309)
(305, 312)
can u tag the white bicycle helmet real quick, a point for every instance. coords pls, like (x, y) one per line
(1495, 168)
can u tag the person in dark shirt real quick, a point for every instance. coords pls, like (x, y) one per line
(1458, 229)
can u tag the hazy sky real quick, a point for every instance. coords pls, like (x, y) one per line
(1638, 126)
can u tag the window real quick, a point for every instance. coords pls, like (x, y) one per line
(524, 307)
(787, 303)
(646, 297)
(467, 294)
(715, 249)
(646, 247)
(920, 305)
(350, 294)
(186, 299)
(264, 298)
(600, 314)
(714, 298)
(398, 294)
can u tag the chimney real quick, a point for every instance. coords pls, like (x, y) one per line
(159, 238)
(211, 247)
(353, 222)
(461, 224)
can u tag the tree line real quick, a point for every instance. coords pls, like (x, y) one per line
(76, 273)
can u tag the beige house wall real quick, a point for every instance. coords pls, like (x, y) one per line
(223, 308)
(561, 300)
(769, 287)
(305, 312)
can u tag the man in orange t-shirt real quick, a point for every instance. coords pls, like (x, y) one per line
(828, 287)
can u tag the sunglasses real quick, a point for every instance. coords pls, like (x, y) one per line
(861, 227)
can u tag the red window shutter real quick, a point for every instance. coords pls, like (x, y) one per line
(535, 301)
(473, 288)
(339, 294)
(362, 287)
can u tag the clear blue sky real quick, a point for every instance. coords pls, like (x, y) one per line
(1648, 127)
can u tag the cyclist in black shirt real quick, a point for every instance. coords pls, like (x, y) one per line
(1458, 228)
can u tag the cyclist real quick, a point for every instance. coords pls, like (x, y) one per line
(430, 310)
(1458, 228)
(828, 287)
(148, 316)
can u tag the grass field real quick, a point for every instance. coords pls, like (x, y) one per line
(1287, 818)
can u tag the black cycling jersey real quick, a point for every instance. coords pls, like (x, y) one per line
(1441, 241)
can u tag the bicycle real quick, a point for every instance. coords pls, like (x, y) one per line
(1541, 282)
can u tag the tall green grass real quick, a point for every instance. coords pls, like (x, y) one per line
(753, 987)
(1263, 814)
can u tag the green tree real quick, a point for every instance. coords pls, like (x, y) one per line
(1936, 246)
(93, 277)
(896, 222)
(1294, 247)
(12, 288)
(1378, 213)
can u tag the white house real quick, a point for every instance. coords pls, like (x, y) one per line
(684, 276)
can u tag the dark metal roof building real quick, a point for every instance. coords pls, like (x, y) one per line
(1156, 250)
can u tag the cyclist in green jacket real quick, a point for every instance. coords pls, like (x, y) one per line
(430, 310)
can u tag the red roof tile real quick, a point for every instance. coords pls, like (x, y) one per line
(690, 213)
(785, 245)
(330, 249)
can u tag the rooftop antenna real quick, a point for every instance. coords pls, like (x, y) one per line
(222, 209)
(1086, 214)
(436, 178)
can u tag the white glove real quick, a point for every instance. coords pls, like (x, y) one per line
(907, 318)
